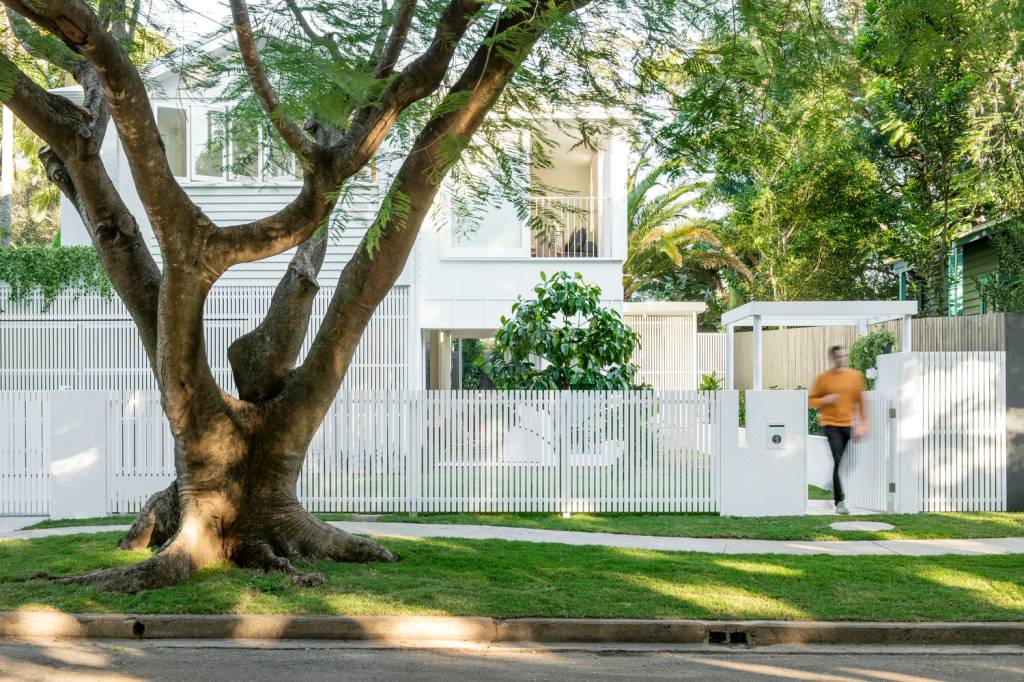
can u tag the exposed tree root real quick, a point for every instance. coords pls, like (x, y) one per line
(266, 541)
(260, 555)
(302, 535)
(163, 570)
(158, 521)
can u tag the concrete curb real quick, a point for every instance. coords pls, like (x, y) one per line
(424, 629)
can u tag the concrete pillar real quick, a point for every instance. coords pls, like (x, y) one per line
(907, 344)
(758, 367)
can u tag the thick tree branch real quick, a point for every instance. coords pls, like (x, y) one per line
(305, 148)
(261, 359)
(419, 79)
(297, 222)
(368, 277)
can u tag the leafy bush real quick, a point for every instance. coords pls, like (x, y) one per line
(711, 382)
(563, 339)
(866, 349)
(52, 270)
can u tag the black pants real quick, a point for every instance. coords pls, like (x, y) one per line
(838, 438)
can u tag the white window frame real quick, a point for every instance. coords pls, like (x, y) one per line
(185, 109)
(449, 250)
(196, 112)
(192, 112)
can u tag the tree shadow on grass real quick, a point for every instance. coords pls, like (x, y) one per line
(514, 579)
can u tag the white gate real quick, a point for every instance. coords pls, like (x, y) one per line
(865, 470)
(24, 453)
(949, 440)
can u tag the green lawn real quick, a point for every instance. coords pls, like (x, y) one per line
(509, 579)
(908, 526)
(816, 493)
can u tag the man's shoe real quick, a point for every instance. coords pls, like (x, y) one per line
(841, 509)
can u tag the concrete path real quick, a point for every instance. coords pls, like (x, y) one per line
(667, 544)
(52, 660)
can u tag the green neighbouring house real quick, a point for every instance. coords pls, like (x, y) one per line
(973, 258)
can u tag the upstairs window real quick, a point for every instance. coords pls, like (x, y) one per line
(173, 126)
(208, 145)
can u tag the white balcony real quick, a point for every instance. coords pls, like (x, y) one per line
(566, 227)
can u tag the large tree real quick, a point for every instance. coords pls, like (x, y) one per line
(424, 75)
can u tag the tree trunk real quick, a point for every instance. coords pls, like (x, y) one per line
(239, 507)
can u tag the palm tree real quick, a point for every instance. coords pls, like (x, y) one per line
(664, 240)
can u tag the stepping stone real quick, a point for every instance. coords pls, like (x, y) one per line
(861, 525)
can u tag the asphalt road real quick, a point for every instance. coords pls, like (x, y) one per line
(297, 661)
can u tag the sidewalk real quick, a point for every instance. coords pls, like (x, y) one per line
(650, 542)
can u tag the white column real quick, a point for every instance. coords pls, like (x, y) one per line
(758, 369)
(730, 358)
(907, 344)
(695, 366)
(862, 328)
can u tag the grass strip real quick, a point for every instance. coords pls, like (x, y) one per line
(511, 579)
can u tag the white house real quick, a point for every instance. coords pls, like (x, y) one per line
(457, 283)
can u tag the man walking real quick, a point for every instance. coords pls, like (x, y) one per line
(838, 395)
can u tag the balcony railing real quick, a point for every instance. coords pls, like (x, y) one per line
(564, 227)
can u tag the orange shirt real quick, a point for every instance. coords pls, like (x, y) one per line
(845, 383)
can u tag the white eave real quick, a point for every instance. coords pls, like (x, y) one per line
(817, 313)
(665, 308)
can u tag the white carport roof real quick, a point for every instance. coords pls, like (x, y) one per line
(817, 313)
(759, 314)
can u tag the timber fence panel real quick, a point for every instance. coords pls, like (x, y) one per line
(793, 357)
(668, 347)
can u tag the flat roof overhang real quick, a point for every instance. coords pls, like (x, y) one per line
(817, 313)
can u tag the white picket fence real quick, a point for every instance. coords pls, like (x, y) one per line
(89, 342)
(436, 451)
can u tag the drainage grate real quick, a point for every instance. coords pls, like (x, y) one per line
(728, 637)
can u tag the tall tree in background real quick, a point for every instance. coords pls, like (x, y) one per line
(334, 81)
(764, 107)
(944, 92)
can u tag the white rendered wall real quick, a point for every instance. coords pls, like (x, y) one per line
(759, 480)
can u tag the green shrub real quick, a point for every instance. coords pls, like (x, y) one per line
(582, 344)
(52, 270)
(865, 351)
